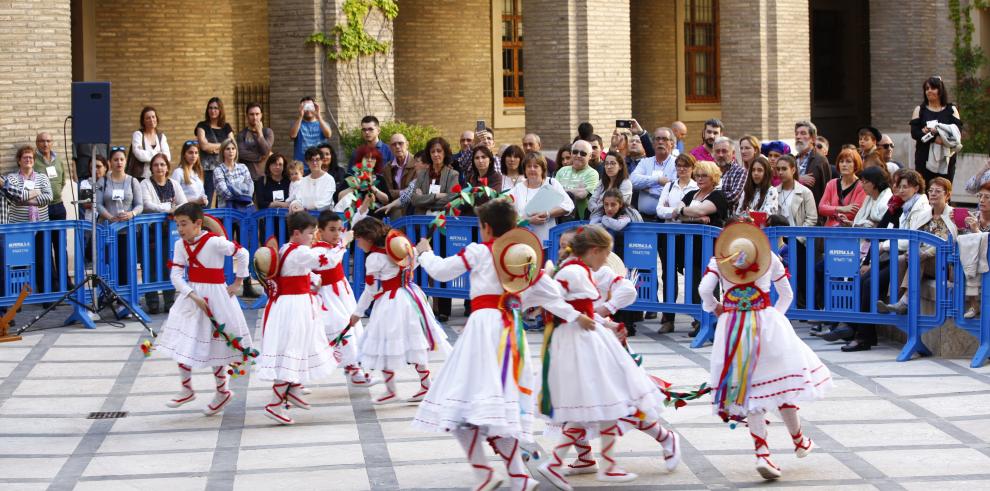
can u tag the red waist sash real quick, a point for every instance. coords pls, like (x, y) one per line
(293, 285)
(207, 275)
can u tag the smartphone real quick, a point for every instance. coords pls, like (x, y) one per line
(480, 126)
(309, 106)
(623, 123)
(959, 216)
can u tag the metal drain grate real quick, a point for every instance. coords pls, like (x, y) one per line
(107, 415)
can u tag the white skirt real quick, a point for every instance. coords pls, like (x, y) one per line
(470, 389)
(187, 334)
(395, 337)
(593, 379)
(338, 313)
(787, 370)
(294, 345)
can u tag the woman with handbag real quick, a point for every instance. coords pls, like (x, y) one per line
(235, 189)
(145, 144)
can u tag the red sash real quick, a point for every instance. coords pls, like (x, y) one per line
(330, 277)
(287, 285)
(213, 276)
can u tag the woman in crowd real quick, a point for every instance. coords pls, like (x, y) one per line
(210, 133)
(705, 205)
(843, 195)
(773, 151)
(671, 197)
(272, 189)
(482, 167)
(30, 191)
(189, 174)
(935, 106)
(433, 187)
(160, 194)
(232, 180)
(511, 167)
(758, 194)
(315, 191)
(797, 205)
(118, 198)
(563, 157)
(89, 184)
(535, 167)
(616, 177)
(978, 221)
(878, 194)
(749, 148)
(146, 143)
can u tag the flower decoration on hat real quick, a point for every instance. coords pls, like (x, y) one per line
(361, 181)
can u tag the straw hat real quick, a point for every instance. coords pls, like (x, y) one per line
(272, 242)
(616, 264)
(215, 226)
(518, 255)
(265, 262)
(742, 253)
(398, 248)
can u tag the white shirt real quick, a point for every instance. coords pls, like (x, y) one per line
(672, 196)
(313, 194)
(522, 194)
(194, 190)
(644, 179)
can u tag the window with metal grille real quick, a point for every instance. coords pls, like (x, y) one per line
(512, 53)
(701, 67)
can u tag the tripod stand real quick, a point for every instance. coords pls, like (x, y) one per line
(93, 280)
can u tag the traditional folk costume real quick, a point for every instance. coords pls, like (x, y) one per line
(338, 301)
(758, 363)
(189, 335)
(401, 329)
(487, 388)
(294, 345)
(592, 387)
(617, 292)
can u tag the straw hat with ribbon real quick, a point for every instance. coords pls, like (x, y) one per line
(742, 253)
(518, 256)
(214, 225)
(265, 263)
(615, 264)
(398, 248)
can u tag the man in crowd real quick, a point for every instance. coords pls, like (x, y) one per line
(578, 179)
(885, 150)
(401, 170)
(868, 138)
(255, 142)
(680, 132)
(653, 173)
(733, 174)
(462, 159)
(713, 129)
(595, 159)
(532, 143)
(813, 170)
(370, 129)
(643, 136)
(821, 146)
(308, 130)
(50, 164)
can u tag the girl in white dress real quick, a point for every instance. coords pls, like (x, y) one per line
(758, 363)
(294, 345)
(338, 298)
(487, 388)
(590, 381)
(401, 329)
(187, 334)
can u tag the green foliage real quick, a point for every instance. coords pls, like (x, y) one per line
(973, 91)
(350, 41)
(417, 135)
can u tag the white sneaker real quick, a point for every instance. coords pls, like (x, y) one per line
(671, 450)
(278, 414)
(389, 398)
(804, 448)
(579, 467)
(616, 475)
(419, 396)
(551, 477)
(220, 400)
(183, 397)
(970, 313)
(294, 397)
(767, 468)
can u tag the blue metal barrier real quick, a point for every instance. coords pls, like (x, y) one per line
(460, 232)
(29, 258)
(979, 326)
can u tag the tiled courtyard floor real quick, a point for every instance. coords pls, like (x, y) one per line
(924, 424)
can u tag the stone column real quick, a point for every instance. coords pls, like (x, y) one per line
(765, 57)
(577, 66)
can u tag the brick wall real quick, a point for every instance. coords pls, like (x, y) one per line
(654, 62)
(36, 79)
(577, 66)
(443, 64)
(766, 70)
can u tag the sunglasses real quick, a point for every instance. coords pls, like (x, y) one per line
(579, 153)
(820, 146)
(887, 146)
(191, 142)
(118, 149)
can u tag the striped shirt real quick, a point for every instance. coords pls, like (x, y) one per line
(20, 211)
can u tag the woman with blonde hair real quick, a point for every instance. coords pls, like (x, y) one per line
(232, 179)
(189, 173)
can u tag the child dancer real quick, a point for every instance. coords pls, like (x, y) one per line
(486, 389)
(335, 291)
(610, 389)
(758, 363)
(187, 334)
(401, 329)
(294, 346)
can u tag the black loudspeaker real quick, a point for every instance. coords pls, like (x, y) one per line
(91, 112)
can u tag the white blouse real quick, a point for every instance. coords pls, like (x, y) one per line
(522, 195)
(194, 190)
(313, 194)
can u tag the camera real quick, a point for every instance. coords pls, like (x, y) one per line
(623, 123)
(309, 106)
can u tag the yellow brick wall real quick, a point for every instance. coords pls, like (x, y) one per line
(36, 78)
(175, 56)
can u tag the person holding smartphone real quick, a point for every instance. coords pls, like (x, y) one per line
(308, 130)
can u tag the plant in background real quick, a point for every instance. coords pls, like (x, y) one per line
(972, 90)
(418, 135)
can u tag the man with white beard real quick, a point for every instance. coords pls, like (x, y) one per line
(813, 169)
